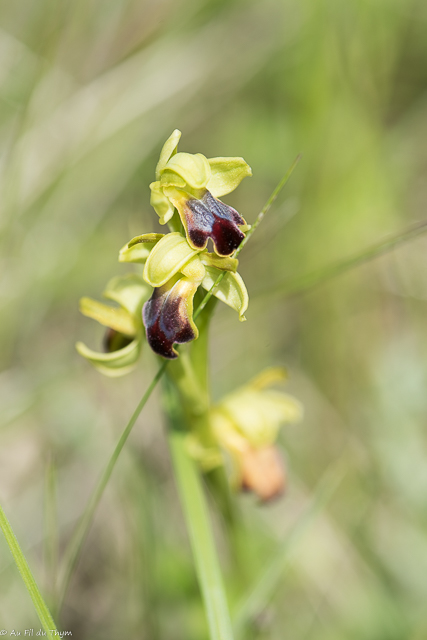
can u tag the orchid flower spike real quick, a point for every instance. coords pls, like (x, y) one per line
(246, 425)
(125, 333)
(192, 184)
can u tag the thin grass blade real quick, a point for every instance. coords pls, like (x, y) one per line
(73, 550)
(22, 564)
(253, 228)
(307, 282)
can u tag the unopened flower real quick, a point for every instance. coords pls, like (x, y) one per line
(192, 184)
(176, 270)
(124, 336)
(246, 424)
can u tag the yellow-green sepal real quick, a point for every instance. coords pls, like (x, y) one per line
(115, 318)
(116, 363)
(138, 249)
(129, 291)
(231, 290)
(226, 175)
(168, 257)
(186, 169)
(161, 205)
(169, 149)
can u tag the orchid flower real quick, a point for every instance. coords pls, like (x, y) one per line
(192, 184)
(246, 425)
(176, 270)
(125, 333)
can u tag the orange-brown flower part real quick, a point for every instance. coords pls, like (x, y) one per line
(263, 472)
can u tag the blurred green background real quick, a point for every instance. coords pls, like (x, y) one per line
(89, 91)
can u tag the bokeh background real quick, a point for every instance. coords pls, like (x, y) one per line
(89, 91)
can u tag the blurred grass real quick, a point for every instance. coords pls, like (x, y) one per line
(89, 92)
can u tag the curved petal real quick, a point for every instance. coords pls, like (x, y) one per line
(193, 169)
(226, 175)
(129, 291)
(168, 150)
(220, 262)
(230, 290)
(167, 258)
(168, 317)
(160, 203)
(118, 319)
(116, 363)
(206, 218)
(138, 249)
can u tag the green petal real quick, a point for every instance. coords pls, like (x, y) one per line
(194, 170)
(226, 175)
(169, 149)
(116, 363)
(167, 258)
(230, 290)
(118, 319)
(194, 270)
(138, 249)
(224, 264)
(129, 291)
(160, 203)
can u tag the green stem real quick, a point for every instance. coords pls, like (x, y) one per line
(188, 409)
(22, 564)
(201, 538)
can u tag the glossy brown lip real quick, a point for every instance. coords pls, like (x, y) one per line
(210, 218)
(167, 317)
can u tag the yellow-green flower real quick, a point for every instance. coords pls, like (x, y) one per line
(192, 184)
(246, 424)
(176, 270)
(125, 333)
